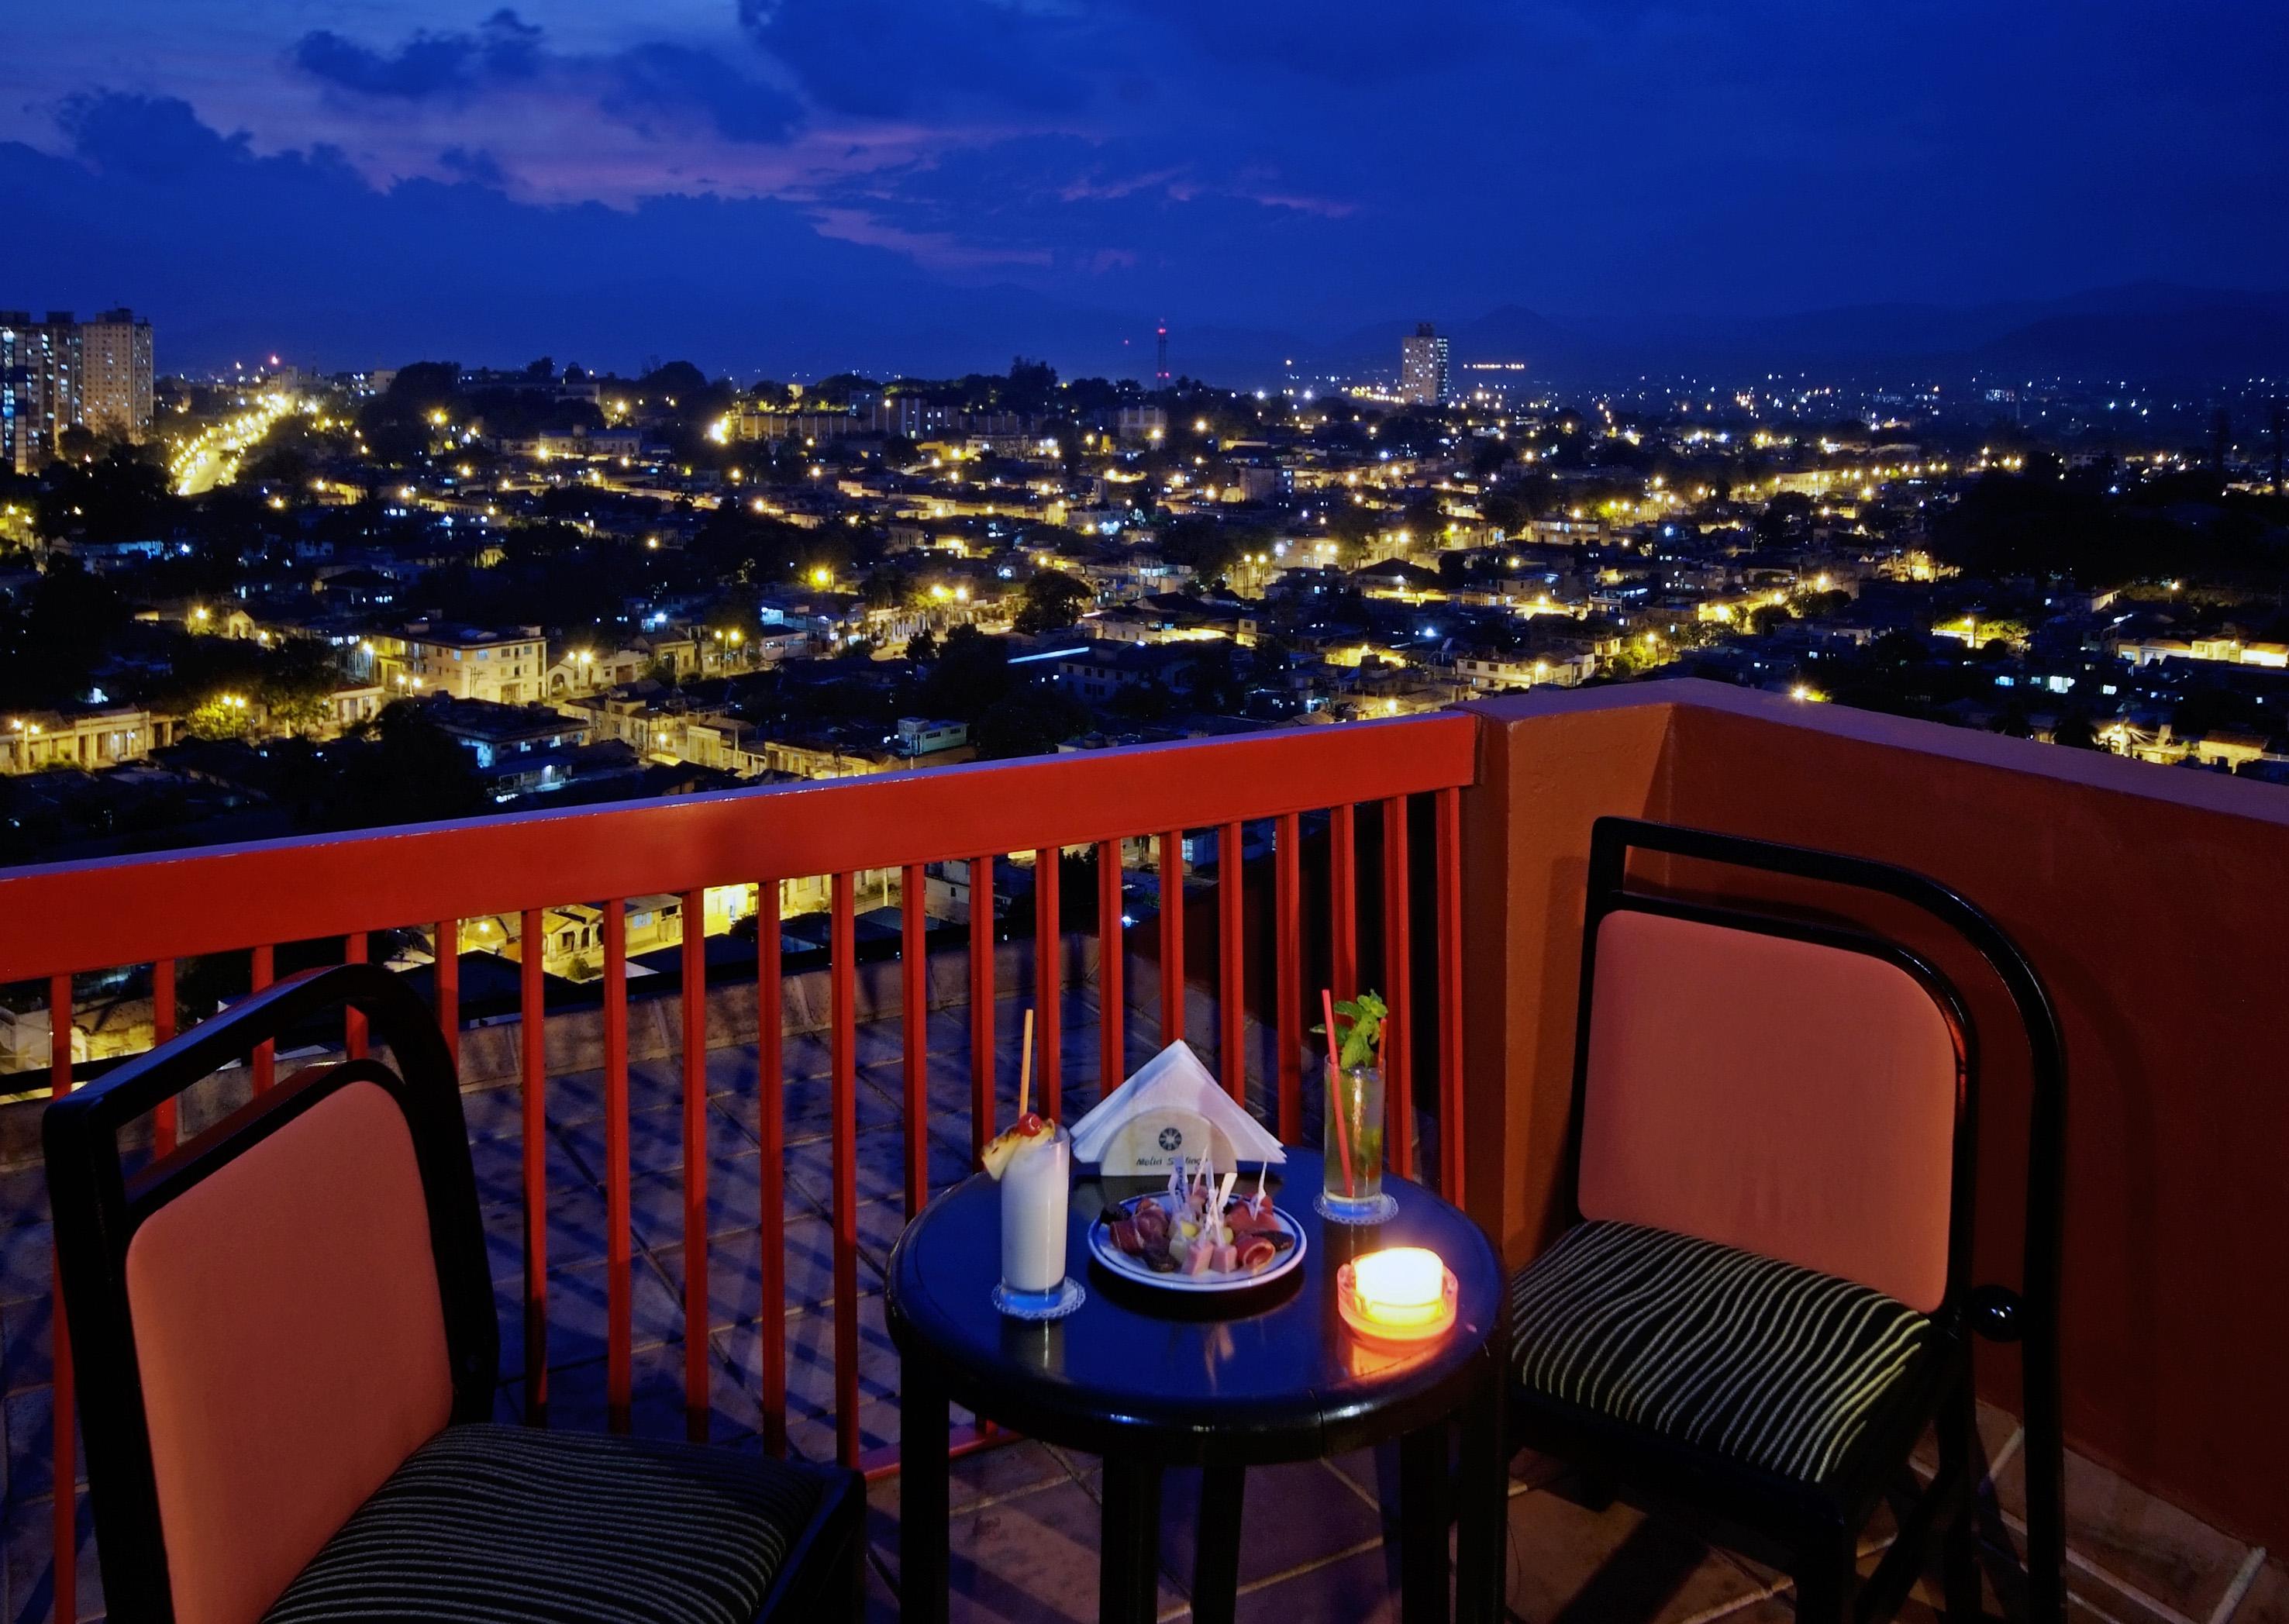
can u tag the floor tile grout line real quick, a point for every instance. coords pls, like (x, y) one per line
(2243, 1579)
(1313, 1566)
(1374, 1502)
(2120, 1587)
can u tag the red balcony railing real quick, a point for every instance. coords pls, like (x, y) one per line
(83, 918)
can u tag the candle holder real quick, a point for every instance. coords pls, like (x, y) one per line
(1398, 1327)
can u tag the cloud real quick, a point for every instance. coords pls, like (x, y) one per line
(295, 252)
(893, 58)
(502, 49)
(669, 82)
(150, 138)
(650, 87)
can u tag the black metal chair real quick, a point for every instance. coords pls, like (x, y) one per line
(1768, 1294)
(284, 1337)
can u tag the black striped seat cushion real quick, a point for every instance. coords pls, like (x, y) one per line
(1773, 1364)
(491, 1525)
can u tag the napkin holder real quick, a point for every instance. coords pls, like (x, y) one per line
(1172, 1111)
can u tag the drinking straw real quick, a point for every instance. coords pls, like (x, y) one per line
(1381, 1043)
(1335, 1090)
(1026, 1067)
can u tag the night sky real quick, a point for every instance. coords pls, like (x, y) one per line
(781, 185)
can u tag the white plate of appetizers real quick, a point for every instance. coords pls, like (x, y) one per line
(1116, 1230)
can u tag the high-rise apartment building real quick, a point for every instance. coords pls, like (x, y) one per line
(1422, 366)
(58, 373)
(26, 369)
(114, 361)
(57, 355)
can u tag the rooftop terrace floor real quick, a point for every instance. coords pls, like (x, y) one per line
(1025, 1516)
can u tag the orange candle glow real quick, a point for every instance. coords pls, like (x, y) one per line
(1399, 1285)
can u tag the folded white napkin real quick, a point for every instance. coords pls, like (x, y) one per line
(1176, 1091)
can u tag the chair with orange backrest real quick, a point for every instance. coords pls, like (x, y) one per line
(1768, 1295)
(284, 1337)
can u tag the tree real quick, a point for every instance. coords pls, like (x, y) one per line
(1032, 720)
(2076, 733)
(1032, 385)
(297, 689)
(121, 496)
(1054, 600)
(888, 588)
(1206, 546)
(224, 716)
(1787, 508)
(52, 635)
(970, 675)
(922, 647)
(407, 770)
(1897, 649)
(678, 378)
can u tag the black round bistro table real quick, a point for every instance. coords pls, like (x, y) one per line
(1151, 1379)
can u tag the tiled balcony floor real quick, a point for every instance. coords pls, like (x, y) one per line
(1025, 1529)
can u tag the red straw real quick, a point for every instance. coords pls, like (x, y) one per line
(1335, 1090)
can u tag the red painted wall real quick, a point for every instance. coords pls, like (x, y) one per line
(2154, 902)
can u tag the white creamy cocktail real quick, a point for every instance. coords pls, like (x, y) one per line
(1032, 1162)
(1034, 1188)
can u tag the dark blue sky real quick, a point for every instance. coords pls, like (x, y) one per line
(796, 184)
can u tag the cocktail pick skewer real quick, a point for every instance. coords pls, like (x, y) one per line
(1260, 1168)
(1335, 1090)
(1223, 1195)
(1026, 1069)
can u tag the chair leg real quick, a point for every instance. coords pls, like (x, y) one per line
(1959, 1457)
(2043, 1454)
(1826, 1583)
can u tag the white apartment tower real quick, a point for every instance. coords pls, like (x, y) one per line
(116, 373)
(1422, 366)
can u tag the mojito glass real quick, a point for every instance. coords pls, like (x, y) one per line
(1351, 1189)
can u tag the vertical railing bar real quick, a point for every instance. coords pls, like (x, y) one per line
(1450, 994)
(694, 966)
(1287, 952)
(620, 1352)
(1111, 987)
(1231, 972)
(353, 952)
(65, 1531)
(842, 1012)
(166, 1128)
(1172, 936)
(982, 1058)
(914, 1007)
(770, 1125)
(1049, 979)
(533, 1054)
(262, 971)
(448, 957)
(1342, 904)
(1397, 1067)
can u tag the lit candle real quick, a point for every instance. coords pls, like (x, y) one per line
(1401, 1285)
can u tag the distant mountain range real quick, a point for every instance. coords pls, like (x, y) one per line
(2145, 333)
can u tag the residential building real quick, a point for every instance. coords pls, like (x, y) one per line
(494, 733)
(82, 735)
(23, 396)
(1422, 366)
(504, 666)
(115, 357)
